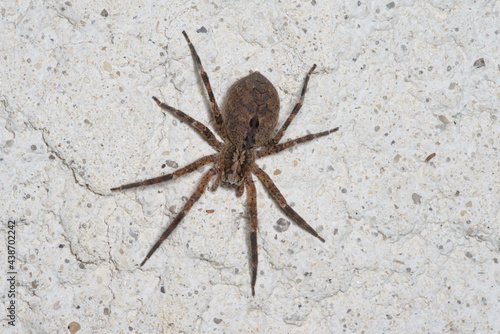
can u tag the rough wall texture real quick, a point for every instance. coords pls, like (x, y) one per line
(412, 246)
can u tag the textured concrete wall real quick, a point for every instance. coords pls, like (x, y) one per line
(412, 246)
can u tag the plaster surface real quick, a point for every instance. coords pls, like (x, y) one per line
(412, 246)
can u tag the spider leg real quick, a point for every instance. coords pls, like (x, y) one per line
(269, 184)
(193, 199)
(280, 147)
(213, 104)
(240, 190)
(185, 170)
(202, 129)
(252, 210)
(294, 112)
(216, 183)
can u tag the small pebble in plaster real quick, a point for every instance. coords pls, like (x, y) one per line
(107, 66)
(171, 163)
(162, 289)
(479, 63)
(217, 321)
(391, 5)
(107, 311)
(443, 119)
(281, 225)
(33, 147)
(74, 327)
(416, 198)
(104, 13)
(133, 234)
(429, 157)
(202, 30)
(277, 172)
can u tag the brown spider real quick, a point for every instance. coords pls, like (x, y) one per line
(251, 113)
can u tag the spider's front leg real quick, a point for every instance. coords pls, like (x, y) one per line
(283, 146)
(200, 127)
(252, 210)
(219, 122)
(294, 112)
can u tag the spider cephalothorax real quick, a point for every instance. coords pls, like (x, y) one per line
(251, 113)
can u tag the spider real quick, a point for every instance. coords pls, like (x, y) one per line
(251, 113)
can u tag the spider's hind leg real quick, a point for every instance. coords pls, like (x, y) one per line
(269, 184)
(181, 171)
(252, 210)
(193, 199)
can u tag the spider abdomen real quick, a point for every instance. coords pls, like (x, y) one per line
(251, 111)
